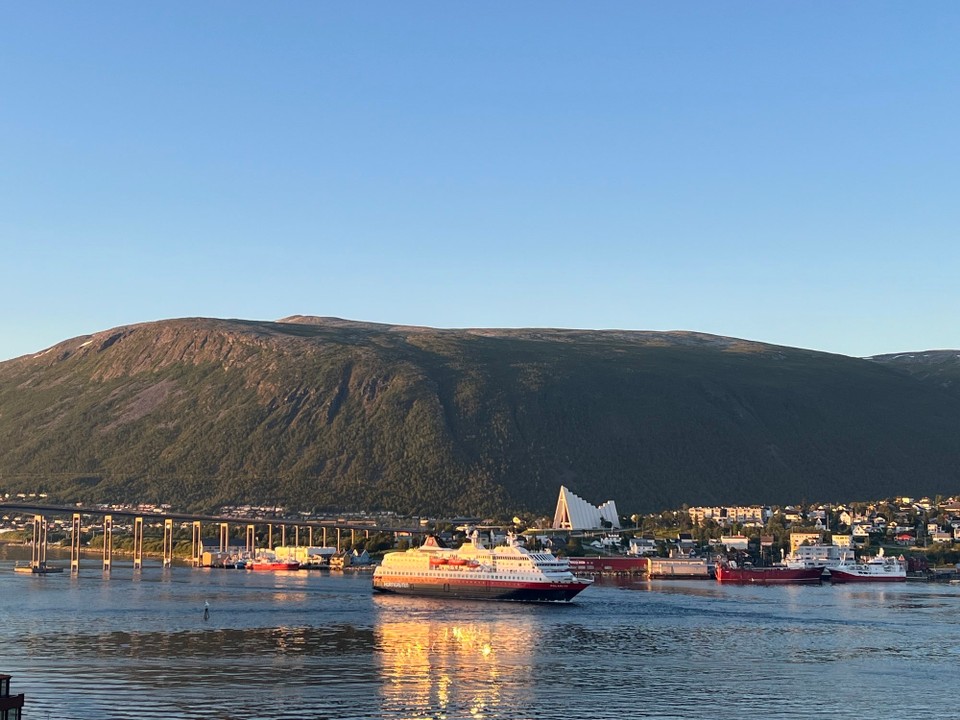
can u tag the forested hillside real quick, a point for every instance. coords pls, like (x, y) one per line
(327, 413)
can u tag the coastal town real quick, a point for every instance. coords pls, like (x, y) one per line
(926, 529)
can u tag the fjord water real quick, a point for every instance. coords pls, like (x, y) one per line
(320, 645)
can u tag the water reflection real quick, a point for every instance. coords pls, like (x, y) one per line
(135, 647)
(454, 660)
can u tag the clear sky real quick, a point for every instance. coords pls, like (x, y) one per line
(778, 171)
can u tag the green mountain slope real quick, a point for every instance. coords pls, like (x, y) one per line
(327, 413)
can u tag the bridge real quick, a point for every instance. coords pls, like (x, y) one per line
(38, 561)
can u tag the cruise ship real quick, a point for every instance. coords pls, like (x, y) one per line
(475, 572)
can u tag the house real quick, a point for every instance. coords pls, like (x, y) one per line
(607, 541)
(951, 506)
(735, 542)
(360, 558)
(792, 516)
(905, 538)
(725, 516)
(798, 539)
(642, 546)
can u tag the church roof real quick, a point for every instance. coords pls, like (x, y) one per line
(575, 513)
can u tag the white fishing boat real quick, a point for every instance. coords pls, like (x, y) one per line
(879, 568)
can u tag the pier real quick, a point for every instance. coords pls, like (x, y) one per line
(11, 706)
(170, 523)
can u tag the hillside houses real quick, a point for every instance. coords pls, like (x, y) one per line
(725, 516)
(903, 520)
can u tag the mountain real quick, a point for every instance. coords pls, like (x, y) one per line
(940, 367)
(332, 414)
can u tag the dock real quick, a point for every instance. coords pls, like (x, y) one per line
(11, 706)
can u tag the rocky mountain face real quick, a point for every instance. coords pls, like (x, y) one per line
(328, 413)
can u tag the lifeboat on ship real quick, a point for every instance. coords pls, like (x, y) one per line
(457, 561)
(434, 561)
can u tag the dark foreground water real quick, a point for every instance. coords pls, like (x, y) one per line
(319, 645)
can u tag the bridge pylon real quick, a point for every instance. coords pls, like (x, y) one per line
(75, 545)
(107, 543)
(138, 543)
(167, 542)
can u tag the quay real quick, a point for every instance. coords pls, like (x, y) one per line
(652, 567)
(11, 706)
(38, 562)
(609, 565)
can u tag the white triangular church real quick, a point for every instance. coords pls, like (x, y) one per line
(575, 513)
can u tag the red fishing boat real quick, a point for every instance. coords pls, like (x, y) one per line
(274, 565)
(731, 572)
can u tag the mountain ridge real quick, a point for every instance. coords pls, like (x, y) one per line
(337, 414)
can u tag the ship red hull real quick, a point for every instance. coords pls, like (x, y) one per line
(469, 589)
(839, 576)
(768, 575)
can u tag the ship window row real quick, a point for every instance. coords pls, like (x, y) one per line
(417, 574)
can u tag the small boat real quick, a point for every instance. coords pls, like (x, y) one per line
(41, 569)
(341, 561)
(273, 565)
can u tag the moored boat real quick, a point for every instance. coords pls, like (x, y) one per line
(609, 564)
(476, 572)
(41, 569)
(274, 565)
(879, 568)
(731, 572)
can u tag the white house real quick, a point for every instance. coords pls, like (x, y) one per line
(735, 542)
(642, 546)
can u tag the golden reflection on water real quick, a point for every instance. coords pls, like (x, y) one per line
(475, 666)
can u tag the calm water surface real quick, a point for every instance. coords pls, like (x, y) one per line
(320, 645)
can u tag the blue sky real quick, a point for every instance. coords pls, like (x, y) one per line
(783, 172)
